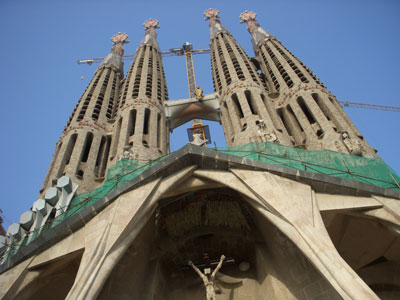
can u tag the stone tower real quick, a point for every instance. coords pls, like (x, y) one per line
(83, 149)
(246, 109)
(141, 132)
(310, 113)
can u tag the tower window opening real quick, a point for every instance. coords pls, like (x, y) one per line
(86, 148)
(237, 106)
(322, 106)
(291, 63)
(88, 97)
(228, 118)
(111, 108)
(250, 101)
(149, 75)
(284, 121)
(158, 130)
(280, 68)
(104, 160)
(67, 154)
(326, 108)
(305, 110)
(80, 173)
(126, 83)
(293, 115)
(100, 152)
(268, 67)
(146, 121)
(138, 71)
(132, 122)
(100, 98)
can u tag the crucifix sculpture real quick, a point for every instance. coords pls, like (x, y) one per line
(208, 277)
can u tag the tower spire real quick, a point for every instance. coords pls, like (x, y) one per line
(141, 132)
(258, 34)
(244, 102)
(150, 36)
(83, 149)
(309, 112)
(216, 27)
(114, 59)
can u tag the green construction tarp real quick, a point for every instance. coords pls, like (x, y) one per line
(369, 170)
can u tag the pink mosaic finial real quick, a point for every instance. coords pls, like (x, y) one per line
(247, 16)
(119, 40)
(150, 36)
(258, 34)
(216, 27)
(211, 13)
(151, 23)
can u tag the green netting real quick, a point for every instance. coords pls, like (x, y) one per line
(369, 170)
(117, 175)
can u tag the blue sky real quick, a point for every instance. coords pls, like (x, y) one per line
(352, 46)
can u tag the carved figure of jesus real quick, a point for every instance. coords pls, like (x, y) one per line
(208, 279)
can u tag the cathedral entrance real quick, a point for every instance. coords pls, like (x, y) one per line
(199, 227)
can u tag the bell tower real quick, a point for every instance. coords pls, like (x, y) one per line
(141, 132)
(310, 113)
(244, 100)
(83, 148)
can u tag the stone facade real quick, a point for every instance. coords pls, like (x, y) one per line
(301, 235)
(285, 233)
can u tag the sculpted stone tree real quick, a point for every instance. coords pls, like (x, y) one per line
(208, 279)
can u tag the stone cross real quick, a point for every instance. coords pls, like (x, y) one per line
(208, 279)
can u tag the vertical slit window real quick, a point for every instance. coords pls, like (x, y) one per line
(280, 68)
(87, 146)
(228, 118)
(146, 121)
(127, 82)
(268, 67)
(67, 154)
(85, 104)
(138, 72)
(100, 97)
(103, 165)
(291, 63)
(132, 122)
(149, 82)
(111, 108)
(236, 103)
(250, 101)
(284, 121)
(158, 130)
(291, 113)
(100, 152)
(305, 110)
